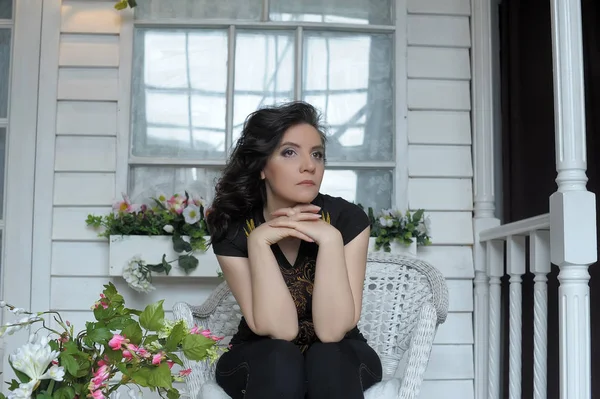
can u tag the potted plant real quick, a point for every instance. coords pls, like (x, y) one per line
(393, 231)
(168, 236)
(122, 347)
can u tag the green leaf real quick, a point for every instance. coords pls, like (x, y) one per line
(119, 323)
(177, 334)
(180, 245)
(102, 314)
(65, 392)
(174, 358)
(141, 377)
(43, 395)
(71, 348)
(132, 3)
(188, 262)
(14, 384)
(173, 393)
(153, 316)
(134, 333)
(69, 363)
(160, 377)
(100, 335)
(113, 356)
(121, 5)
(133, 311)
(196, 345)
(2, 395)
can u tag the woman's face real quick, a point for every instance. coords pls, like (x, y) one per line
(294, 172)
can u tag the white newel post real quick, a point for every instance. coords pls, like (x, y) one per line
(483, 148)
(572, 207)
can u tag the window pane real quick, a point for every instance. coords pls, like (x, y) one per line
(5, 9)
(179, 93)
(350, 78)
(264, 72)
(148, 181)
(2, 168)
(205, 9)
(375, 12)
(370, 188)
(4, 70)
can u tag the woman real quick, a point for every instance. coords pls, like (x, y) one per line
(295, 261)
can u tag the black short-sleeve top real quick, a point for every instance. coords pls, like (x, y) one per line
(348, 218)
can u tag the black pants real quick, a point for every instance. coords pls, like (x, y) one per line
(277, 369)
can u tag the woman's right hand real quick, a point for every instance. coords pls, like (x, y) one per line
(272, 235)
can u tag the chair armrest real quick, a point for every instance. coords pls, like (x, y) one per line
(419, 352)
(202, 371)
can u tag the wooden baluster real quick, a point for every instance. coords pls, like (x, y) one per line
(495, 262)
(572, 207)
(539, 255)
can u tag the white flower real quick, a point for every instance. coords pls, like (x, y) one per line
(136, 275)
(2, 304)
(17, 311)
(168, 228)
(385, 222)
(24, 391)
(191, 214)
(34, 358)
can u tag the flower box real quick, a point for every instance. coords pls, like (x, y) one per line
(396, 247)
(122, 248)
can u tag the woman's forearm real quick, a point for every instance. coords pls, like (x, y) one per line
(332, 304)
(273, 308)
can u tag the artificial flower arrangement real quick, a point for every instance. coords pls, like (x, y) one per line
(180, 215)
(138, 347)
(123, 4)
(391, 225)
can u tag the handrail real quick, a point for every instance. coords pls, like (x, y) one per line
(521, 227)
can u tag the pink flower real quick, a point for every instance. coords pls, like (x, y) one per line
(195, 330)
(116, 341)
(156, 359)
(101, 375)
(127, 355)
(170, 363)
(143, 352)
(185, 372)
(177, 203)
(98, 395)
(101, 362)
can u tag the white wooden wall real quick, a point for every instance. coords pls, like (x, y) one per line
(440, 174)
(83, 134)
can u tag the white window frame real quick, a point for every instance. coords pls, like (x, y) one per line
(20, 164)
(399, 164)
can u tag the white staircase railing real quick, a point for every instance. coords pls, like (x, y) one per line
(510, 240)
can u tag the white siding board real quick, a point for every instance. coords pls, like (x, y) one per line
(86, 118)
(439, 127)
(442, 31)
(438, 63)
(449, 389)
(93, 154)
(424, 94)
(101, 84)
(457, 329)
(451, 261)
(439, 161)
(89, 50)
(80, 258)
(456, 194)
(81, 16)
(87, 289)
(460, 294)
(447, 7)
(69, 223)
(451, 228)
(90, 189)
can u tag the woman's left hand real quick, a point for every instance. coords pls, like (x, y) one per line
(319, 230)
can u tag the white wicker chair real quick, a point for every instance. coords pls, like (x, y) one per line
(404, 301)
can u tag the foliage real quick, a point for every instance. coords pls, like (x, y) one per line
(391, 225)
(181, 216)
(123, 4)
(138, 346)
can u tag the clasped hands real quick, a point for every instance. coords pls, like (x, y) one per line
(301, 221)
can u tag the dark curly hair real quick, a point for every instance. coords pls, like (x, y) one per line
(240, 189)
